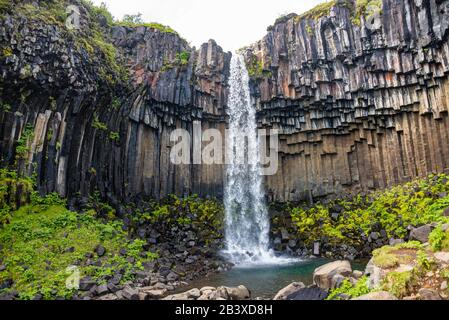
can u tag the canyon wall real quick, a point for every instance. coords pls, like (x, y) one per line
(357, 108)
(92, 109)
(358, 105)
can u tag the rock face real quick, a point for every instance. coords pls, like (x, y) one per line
(356, 107)
(100, 118)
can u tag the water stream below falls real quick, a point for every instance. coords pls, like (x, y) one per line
(266, 281)
(247, 221)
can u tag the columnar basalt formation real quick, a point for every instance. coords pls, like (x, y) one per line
(358, 105)
(99, 118)
(358, 108)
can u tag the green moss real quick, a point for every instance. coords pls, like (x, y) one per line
(392, 256)
(23, 144)
(319, 11)
(365, 8)
(14, 192)
(5, 107)
(133, 21)
(42, 241)
(398, 283)
(182, 58)
(255, 67)
(415, 203)
(5, 5)
(97, 124)
(439, 240)
(352, 291)
(114, 136)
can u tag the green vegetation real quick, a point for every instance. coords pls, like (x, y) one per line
(439, 239)
(7, 52)
(319, 11)
(398, 283)
(42, 241)
(365, 8)
(388, 257)
(415, 203)
(97, 124)
(5, 5)
(133, 21)
(114, 136)
(23, 144)
(205, 215)
(256, 68)
(5, 107)
(182, 58)
(350, 290)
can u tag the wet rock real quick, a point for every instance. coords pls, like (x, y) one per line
(309, 293)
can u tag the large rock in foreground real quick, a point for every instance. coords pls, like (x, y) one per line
(323, 275)
(289, 290)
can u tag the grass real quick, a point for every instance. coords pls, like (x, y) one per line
(350, 290)
(42, 241)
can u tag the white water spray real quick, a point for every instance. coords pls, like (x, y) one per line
(247, 220)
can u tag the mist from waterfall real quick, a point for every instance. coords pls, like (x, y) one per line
(247, 220)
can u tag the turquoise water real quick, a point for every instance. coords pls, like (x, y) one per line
(266, 281)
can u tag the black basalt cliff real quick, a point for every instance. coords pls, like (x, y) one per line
(357, 108)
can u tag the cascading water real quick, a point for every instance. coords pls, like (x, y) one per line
(247, 221)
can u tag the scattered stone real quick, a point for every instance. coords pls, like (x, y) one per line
(380, 295)
(442, 256)
(108, 297)
(154, 294)
(129, 293)
(323, 275)
(102, 289)
(188, 295)
(429, 294)
(2, 268)
(86, 284)
(310, 293)
(289, 290)
(100, 250)
(444, 286)
(421, 234)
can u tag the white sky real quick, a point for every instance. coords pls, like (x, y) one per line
(232, 23)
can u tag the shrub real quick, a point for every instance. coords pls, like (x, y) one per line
(439, 239)
(352, 291)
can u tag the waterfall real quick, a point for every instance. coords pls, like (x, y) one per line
(247, 220)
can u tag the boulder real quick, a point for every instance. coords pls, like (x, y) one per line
(129, 293)
(238, 293)
(428, 294)
(323, 275)
(308, 294)
(421, 234)
(442, 256)
(288, 290)
(108, 297)
(192, 294)
(376, 274)
(380, 295)
(154, 294)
